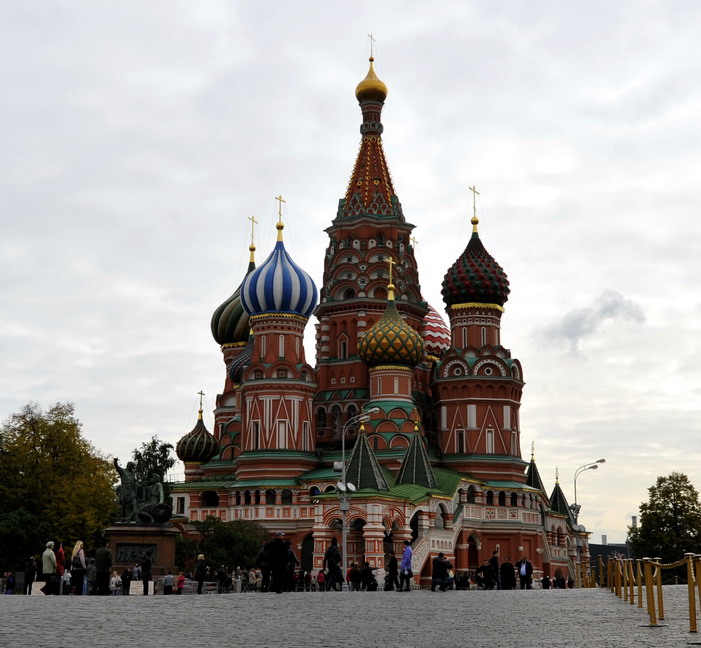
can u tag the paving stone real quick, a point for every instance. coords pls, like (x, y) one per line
(573, 618)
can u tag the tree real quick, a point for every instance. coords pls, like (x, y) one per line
(670, 521)
(50, 475)
(234, 544)
(153, 457)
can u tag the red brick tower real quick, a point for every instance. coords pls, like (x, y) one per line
(369, 229)
(477, 384)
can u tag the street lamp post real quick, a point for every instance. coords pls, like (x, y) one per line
(345, 488)
(587, 466)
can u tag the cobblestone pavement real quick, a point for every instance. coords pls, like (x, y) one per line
(383, 619)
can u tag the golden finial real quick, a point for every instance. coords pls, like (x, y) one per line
(252, 246)
(532, 450)
(371, 88)
(201, 393)
(474, 220)
(280, 225)
(390, 286)
(557, 476)
(361, 429)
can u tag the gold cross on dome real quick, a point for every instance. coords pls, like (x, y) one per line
(254, 222)
(280, 200)
(372, 42)
(201, 393)
(391, 262)
(414, 242)
(475, 193)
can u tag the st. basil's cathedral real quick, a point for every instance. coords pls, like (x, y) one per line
(425, 414)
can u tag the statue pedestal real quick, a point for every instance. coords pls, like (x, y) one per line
(128, 542)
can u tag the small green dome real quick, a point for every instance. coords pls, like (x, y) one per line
(391, 340)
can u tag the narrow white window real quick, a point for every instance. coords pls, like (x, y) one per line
(490, 441)
(281, 346)
(472, 416)
(507, 417)
(464, 337)
(255, 435)
(306, 437)
(444, 418)
(514, 445)
(263, 345)
(282, 435)
(484, 336)
(396, 385)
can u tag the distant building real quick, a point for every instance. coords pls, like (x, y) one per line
(438, 460)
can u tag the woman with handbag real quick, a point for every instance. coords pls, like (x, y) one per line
(77, 568)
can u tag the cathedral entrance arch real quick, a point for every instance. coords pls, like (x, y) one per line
(306, 560)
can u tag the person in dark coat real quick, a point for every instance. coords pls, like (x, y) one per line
(278, 562)
(146, 566)
(525, 572)
(200, 572)
(440, 577)
(264, 566)
(507, 574)
(103, 568)
(392, 572)
(332, 563)
(494, 565)
(292, 563)
(30, 572)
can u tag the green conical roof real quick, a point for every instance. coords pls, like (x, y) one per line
(363, 468)
(533, 476)
(416, 468)
(558, 501)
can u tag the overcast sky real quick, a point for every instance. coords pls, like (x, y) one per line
(136, 138)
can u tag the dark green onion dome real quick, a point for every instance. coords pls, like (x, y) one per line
(230, 320)
(391, 340)
(198, 445)
(475, 278)
(240, 362)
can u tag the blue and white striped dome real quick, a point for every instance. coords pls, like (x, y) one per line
(278, 285)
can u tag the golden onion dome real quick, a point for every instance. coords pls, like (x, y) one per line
(371, 88)
(391, 340)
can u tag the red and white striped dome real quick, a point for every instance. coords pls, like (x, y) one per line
(435, 333)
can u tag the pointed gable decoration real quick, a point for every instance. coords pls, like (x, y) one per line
(558, 501)
(416, 468)
(363, 468)
(532, 475)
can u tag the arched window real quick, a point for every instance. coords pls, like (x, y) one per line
(490, 498)
(502, 498)
(313, 491)
(286, 497)
(321, 418)
(247, 498)
(330, 489)
(238, 498)
(270, 497)
(209, 498)
(256, 497)
(471, 492)
(514, 499)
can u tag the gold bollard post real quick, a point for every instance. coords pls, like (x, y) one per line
(610, 578)
(698, 574)
(658, 583)
(631, 580)
(619, 579)
(647, 566)
(692, 591)
(601, 572)
(640, 583)
(624, 579)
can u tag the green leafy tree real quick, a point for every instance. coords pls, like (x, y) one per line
(233, 544)
(156, 456)
(51, 479)
(670, 521)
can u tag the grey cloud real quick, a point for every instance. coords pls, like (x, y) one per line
(583, 323)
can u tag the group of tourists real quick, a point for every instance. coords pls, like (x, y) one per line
(79, 572)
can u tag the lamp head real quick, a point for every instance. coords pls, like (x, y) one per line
(600, 461)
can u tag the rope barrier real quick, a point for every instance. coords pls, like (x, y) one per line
(623, 580)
